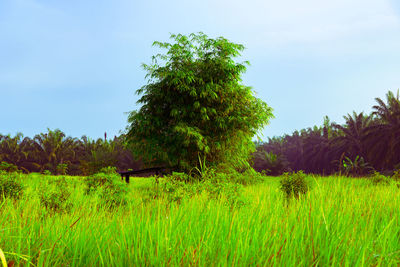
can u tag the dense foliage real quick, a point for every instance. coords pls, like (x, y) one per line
(195, 105)
(56, 153)
(363, 144)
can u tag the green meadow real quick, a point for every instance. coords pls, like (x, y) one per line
(340, 221)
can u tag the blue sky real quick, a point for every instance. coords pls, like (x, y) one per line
(75, 65)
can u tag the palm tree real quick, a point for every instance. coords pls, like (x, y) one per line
(349, 141)
(54, 148)
(10, 149)
(382, 137)
(293, 151)
(317, 148)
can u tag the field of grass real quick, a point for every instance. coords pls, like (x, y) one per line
(340, 221)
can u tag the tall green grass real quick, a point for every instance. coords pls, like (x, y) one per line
(341, 221)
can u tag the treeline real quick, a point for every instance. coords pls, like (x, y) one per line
(57, 153)
(366, 142)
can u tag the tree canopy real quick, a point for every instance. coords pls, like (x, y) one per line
(194, 105)
(58, 153)
(367, 141)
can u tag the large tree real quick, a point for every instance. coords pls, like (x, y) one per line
(194, 105)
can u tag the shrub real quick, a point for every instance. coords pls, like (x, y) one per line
(358, 167)
(180, 177)
(247, 177)
(10, 186)
(94, 181)
(228, 174)
(294, 184)
(231, 192)
(179, 186)
(54, 196)
(113, 193)
(8, 167)
(47, 172)
(62, 169)
(396, 176)
(109, 170)
(109, 186)
(380, 179)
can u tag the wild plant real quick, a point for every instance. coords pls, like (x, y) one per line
(109, 170)
(357, 167)
(54, 196)
(180, 186)
(247, 177)
(95, 181)
(10, 186)
(228, 174)
(294, 184)
(8, 167)
(380, 179)
(202, 171)
(62, 169)
(113, 192)
(109, 187)
(396, 175)
(231, 192)
(47, 172)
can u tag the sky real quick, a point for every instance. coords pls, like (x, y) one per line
(75, 65)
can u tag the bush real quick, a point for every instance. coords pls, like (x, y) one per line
(396, 176)
(109, 186)
(294, 184)
(356, 168)
(228, 174)
(231, 192)
(8, 167)
(54, 196)
(247, 177)
(10, 186)
(109, 170)
(62, 169)
(113, 193)
(380, 179)
(179, 186)
(47, 172)
(95, 181)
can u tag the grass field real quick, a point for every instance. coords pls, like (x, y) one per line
(339, 222)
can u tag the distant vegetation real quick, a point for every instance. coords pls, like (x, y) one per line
(55, 153)
(366, 142)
